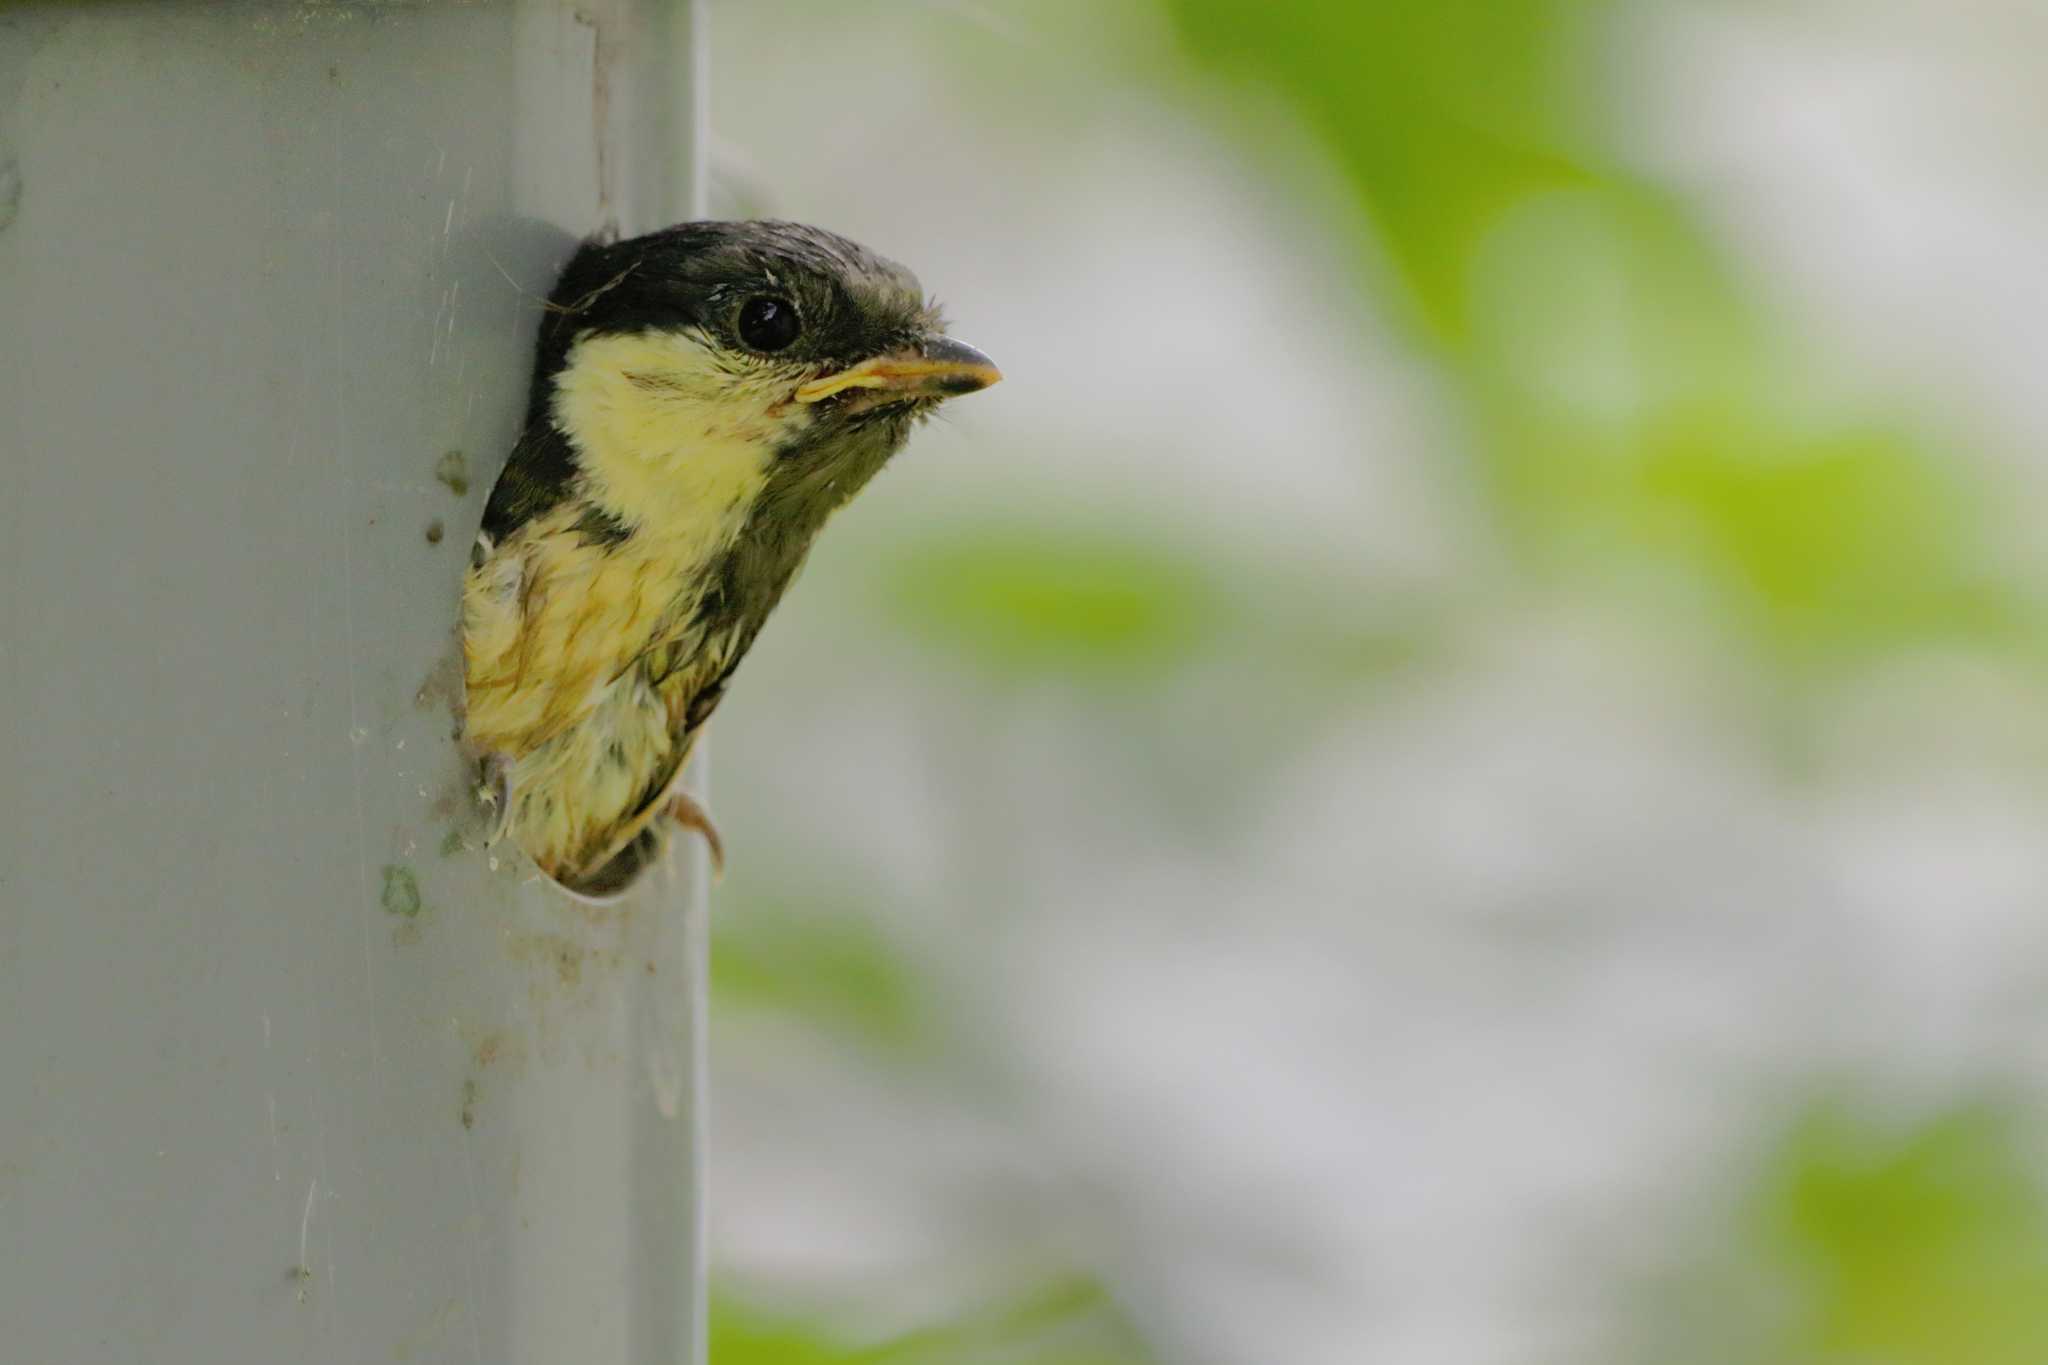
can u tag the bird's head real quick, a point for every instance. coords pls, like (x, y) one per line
(766, 335)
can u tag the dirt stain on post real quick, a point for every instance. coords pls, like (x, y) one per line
(10, 189)
(442, 685)
(453, 471)
(568, 961)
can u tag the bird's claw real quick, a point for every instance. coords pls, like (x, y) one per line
(684, 810)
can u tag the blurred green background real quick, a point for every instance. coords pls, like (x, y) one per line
(1452, 770)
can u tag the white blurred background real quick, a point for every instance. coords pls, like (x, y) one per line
(1452, 769)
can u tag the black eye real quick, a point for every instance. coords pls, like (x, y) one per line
(768, 324)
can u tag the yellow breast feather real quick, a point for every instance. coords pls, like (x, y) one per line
(582, 667)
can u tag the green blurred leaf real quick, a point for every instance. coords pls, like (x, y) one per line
(1865, 1241)
(1832, 546)
(1445, 114)
(1059, 599)
(741, 1335)
(1929, 1245)
(1823, 549)
(829, 966)
(1055, 599)
(1070, 1321)
(1642, 429)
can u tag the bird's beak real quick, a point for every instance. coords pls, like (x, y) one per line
(935, 367)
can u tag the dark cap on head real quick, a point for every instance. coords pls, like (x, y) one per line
(852, 303)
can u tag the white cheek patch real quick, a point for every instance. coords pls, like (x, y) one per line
(646, 388)
(674, 436)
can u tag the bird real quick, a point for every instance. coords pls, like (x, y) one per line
(704, 398)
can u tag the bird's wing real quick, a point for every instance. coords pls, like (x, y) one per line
(535, 480)
(688, 678)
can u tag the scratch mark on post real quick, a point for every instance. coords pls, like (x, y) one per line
(521, 290)
(600, 111)
(305, 1230)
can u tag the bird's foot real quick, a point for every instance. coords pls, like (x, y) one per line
(491, 800)
(684, 810)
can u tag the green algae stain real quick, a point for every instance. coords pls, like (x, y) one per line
(453, 470)
(401, 891)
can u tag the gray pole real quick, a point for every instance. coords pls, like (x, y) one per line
(288, 1070)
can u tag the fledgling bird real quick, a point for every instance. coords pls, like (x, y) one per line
(703, 398)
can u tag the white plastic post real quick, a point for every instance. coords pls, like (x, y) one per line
(290, 1071)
